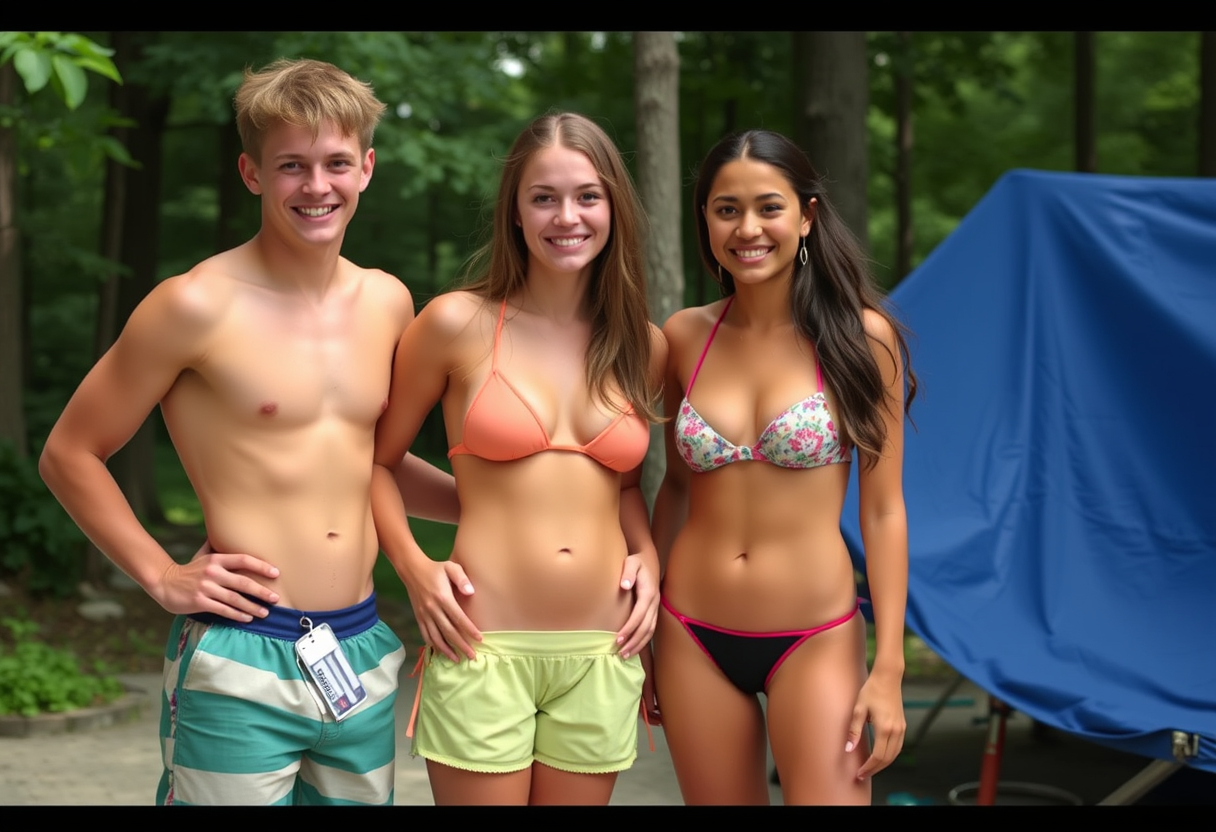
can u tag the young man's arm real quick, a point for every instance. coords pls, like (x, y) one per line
(164, 336)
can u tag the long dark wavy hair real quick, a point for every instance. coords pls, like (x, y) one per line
(827, 295)
(616, 297)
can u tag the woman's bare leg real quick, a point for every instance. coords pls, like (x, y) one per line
(457, 787)
(553, 787)
(715, 732)
(810, 703)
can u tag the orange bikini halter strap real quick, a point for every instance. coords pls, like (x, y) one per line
(502, 314)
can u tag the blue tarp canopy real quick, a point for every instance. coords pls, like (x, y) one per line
(1061, 478)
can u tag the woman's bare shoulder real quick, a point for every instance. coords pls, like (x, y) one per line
(690, 326)
(450, 314)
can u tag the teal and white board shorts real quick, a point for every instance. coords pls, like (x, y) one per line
(241, 723)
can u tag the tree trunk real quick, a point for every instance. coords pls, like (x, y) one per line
(113, 200)
(703, 145)
(657, 103)
(1083, 102)
(903, 157)
(1207, 103)
(12, 385)
(134, 465)
(832, 85)
(571, 54)
(228, 188)
(705, 140)
(433, 283)
(130, 237)
(732, 52)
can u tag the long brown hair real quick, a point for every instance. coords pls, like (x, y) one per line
(827, 295)
(616, 297)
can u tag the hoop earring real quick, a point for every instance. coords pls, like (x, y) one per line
(720, 283)
(802, 255)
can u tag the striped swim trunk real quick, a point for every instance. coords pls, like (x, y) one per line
(241, 724)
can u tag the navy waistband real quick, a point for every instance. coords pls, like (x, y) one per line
(284, 622)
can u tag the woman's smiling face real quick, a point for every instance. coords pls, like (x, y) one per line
(563, 211)
(755, 222)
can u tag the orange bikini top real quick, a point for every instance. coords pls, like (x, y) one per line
(501, 426)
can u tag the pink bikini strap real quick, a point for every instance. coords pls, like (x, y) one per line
(705, 349)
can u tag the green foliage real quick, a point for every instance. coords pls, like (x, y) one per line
(987, 102)
(61, 59)
(177, 496)
(984, 102)
(37, 539)
(36, 678)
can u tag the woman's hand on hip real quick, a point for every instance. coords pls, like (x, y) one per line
(639, 627)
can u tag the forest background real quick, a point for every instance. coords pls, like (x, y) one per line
(108, 187)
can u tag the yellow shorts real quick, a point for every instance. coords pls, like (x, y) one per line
(565, 699)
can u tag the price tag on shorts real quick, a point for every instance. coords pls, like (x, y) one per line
(322, 657)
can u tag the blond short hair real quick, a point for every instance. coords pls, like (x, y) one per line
(305, 93)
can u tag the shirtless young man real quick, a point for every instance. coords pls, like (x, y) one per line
(271, 365)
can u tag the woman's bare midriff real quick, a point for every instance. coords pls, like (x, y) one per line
(540, 539)
(761, 550)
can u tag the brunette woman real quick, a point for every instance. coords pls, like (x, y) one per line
(771, 390)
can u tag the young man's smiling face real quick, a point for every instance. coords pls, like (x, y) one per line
(309, 188)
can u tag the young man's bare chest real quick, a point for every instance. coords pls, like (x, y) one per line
(280, 366)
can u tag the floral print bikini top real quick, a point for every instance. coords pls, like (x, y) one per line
(803, 436)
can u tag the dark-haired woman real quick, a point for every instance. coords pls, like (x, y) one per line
(770, 391)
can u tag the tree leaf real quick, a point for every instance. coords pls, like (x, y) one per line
(75, 83)
(34, 67)
(102, 66)
(84, 47)
(117, 151)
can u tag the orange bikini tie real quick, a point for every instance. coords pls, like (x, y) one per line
(646, 722)
(419, 667)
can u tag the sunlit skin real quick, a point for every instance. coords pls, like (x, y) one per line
(755, 547)
(271, 364)
(552, 541)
